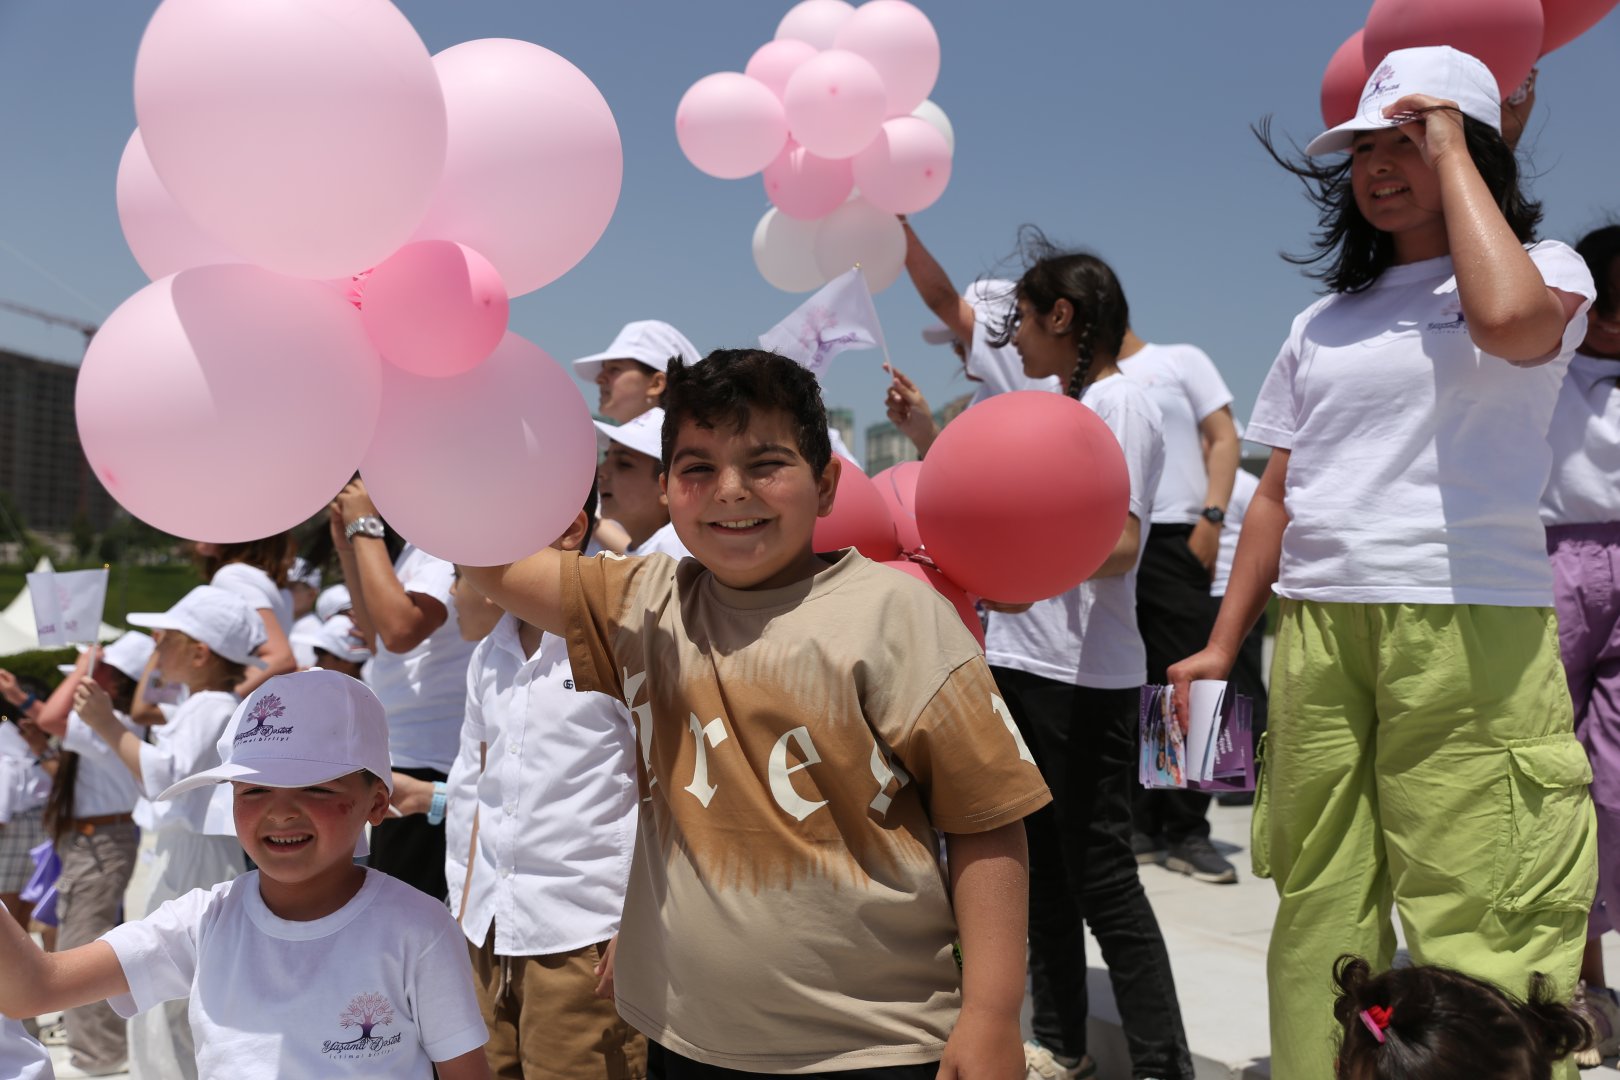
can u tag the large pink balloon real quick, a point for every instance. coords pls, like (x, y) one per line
(161, 236)
(434, 308)
(961, 601)
(898, 487)
(999, 519)
(730, 125)
(835, 103)
(1343, 81)
(905, 169)
(487, 466)
(859, 519)
(859, 234)
(1504, 34)
(1566, 20)
(774, 61)
(805, 186)
(226, 403)
(534, 164)
(901, 43)
(307, 135)
(815, 22)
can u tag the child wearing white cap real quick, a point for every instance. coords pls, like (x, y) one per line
(310, 966)
(629, 373)
(627, 480)
(303, 587)
(208, 640)
(335, 645)
(1420, 750)
(257, 572)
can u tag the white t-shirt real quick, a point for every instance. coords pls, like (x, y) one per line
(1244, 485)
(662, 542)
(103, 784)
(22, 1057)
(998, 370)
(557, 802)
(258, 588)
(1584, 488)
(25, 785)
(424, 690)
(1088, 635)
(188, 744)
(1418, 461)
(303, 629)
(1183, 383)
(381, 987)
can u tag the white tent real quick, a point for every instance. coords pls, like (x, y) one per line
(17, 632)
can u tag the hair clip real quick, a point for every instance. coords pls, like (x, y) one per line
(1376, 1018)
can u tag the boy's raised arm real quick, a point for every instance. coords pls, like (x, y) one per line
(39, 982)
(531, 589)
(990, 891)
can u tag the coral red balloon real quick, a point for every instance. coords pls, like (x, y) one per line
(1023, 496)
(1505, 35)
(961, 601)
(898, 487)
(1343, 81)
(1566, 20)
(859, 519)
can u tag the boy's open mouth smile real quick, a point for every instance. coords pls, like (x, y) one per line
(288, 843)
(740, 525)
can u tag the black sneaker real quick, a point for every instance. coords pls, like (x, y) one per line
(1147, 849)
(1197, 858)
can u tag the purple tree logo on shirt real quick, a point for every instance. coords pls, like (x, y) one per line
(367, 1011)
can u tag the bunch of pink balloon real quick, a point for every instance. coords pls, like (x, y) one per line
(836, 102)
(334, 222)
(1508, 35)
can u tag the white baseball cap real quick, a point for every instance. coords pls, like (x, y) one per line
(644, 434)
(302, 573)
(990, 297)
(216, 617)
(301, 729)
(1436, 70)
(337, 636)
(649, 341)
(128, 654)
(332, 601)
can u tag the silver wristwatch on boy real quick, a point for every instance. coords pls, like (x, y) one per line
(365, 526)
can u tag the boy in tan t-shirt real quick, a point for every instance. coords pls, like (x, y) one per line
(808, 724)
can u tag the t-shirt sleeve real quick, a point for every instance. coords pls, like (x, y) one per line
(447, 1016)
(430, 576)
(159, 953)
(1202, 380)
(192, 746)
(597, 597)
(472, 724)
(80, 739)
(1276, 410)
(1563, 268)
(970, 764)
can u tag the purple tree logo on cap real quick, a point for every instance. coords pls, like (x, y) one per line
(1380, 78)
(262, 712)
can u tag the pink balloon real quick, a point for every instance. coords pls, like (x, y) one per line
(434, 308)
(901, 43)
(487, 466)
(815, 22)
(730, 125)
(1343, 81)
(835, 103)
(534, 164)
(306, 135)
(1566, 20)
(961, 601)
(999, 520)
(161, 236)
(805, 186)
(1504, 34)
(226, 403)
(774, 61)
(898, 487)
(859, 234)
(905, 169)
(859, 518)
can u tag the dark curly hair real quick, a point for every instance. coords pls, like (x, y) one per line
(1351, 252)
(1444, 1025)
(1101, 313)
(1600, 248)
(727, 385)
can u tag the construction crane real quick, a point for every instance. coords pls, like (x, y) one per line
(88, 329)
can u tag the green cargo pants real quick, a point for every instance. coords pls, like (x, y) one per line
(1422, 756)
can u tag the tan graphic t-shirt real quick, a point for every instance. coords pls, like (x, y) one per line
(801, 748)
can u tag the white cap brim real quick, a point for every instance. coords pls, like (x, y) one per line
(1336, 139)
(160, 620)
(276, 773)
(938, 334)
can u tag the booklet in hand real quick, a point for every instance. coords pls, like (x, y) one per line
(1217, 753)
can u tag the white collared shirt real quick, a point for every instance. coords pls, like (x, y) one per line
(557, 801)
(103, 785)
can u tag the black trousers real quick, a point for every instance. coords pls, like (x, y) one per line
(410, 849)
(1081, 870)
(1175, 614)
(666, 1064)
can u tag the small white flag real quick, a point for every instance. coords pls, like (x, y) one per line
(68, 607)
(839, 316)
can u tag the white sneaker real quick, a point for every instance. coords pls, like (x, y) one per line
(1041, 1064)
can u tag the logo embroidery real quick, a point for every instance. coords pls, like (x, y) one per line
(264, 710)
(367, 1012)
(1381, 81)
(1457, 324)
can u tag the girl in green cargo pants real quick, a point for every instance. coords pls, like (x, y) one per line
(1420, 755)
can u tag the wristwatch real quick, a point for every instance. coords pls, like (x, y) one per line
(365, 526)
(1212, 514)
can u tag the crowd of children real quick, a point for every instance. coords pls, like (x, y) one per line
(679, 796)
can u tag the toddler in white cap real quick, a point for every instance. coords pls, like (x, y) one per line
(309, 966)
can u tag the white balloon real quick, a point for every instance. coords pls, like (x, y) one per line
(859, 234)
(938, 120)
(785, 252)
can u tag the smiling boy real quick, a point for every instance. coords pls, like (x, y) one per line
(807, 726)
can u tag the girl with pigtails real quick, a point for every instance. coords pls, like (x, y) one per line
(1071, 670)
(1420, 752)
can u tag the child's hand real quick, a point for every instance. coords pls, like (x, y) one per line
(1434, 124)
(983, 1046)
(10, 689)
(411, 795)
(908, 409)
(604, 969)
(1211, 663)
(93, 705)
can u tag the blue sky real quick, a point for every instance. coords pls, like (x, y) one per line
(1121, 127)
